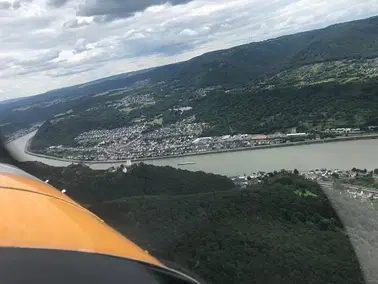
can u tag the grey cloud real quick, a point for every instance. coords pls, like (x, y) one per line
(24, 70)
(23, 33)
(16, 25)
(73, 71)
(40, 59)
(38, 68)
(41, 62)
(106, 10)
(5, 5)
(128, 49)
(73, 24)
(5, 61)
(167, 49)
(16, 5)
(81, 45)
(57, 3)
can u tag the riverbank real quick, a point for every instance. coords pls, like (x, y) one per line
(360, 153)
(291, 144)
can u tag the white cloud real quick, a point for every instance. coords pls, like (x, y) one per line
(188, 32)
(47, 44)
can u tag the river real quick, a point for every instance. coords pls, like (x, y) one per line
(340, 155)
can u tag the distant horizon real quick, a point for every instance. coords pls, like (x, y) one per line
(168, 37)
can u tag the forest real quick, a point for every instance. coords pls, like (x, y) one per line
(88, 186)
(310, 108)
(283, 230)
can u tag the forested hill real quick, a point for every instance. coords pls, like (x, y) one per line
(281, 231)
(243, 64)
(89, 186)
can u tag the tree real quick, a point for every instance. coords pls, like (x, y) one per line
(296, 172)
(376, 171)
(336, 175)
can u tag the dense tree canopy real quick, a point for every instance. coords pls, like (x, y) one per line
(309, 108)
(86, 185)
(283, 230)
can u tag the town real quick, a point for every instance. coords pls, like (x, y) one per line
(181, 138)
(355, 183)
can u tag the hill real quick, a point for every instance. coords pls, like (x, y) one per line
(250, 62)
(89, 186)
(268, 233)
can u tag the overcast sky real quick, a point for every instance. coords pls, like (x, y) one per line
(46, 44)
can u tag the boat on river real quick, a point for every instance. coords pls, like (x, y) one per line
(186, 164)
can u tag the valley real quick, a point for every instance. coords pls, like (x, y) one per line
(251, 95)
(237, 150)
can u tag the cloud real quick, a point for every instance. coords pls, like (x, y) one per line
(16, 4)
(81, 45)
(38, 59)
(113, 9)
(5, 61)
(75, 23)
(13, 65)
(57, 3)
(74, 70)
(5, 5)
(48, 44)
(188, 32)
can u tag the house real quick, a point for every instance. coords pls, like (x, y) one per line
(259, 137)
(202, 140)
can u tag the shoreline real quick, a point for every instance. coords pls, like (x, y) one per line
(291, 144)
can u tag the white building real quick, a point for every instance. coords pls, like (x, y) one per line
(296, 134)
(202, 140)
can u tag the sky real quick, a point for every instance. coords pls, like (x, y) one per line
(48, 44)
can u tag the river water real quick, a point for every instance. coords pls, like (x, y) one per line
(337, 155)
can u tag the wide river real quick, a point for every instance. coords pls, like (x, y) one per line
(337, 155)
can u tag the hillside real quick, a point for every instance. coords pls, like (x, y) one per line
(309, 108)
(89, 186)
(267, 233)
(250, 62)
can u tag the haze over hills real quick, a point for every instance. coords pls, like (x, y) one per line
(311, 80)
